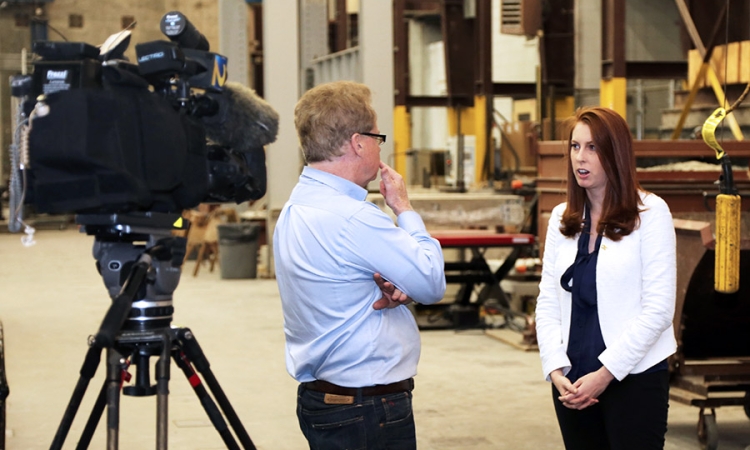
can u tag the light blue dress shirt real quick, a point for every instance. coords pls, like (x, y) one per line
(328, 243)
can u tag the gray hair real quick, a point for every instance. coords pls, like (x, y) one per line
(328, 115)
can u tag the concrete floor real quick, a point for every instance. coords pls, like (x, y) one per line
(473, 391)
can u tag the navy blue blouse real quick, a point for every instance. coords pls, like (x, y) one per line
(585, 342)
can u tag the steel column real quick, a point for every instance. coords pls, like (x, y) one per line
(613, 89)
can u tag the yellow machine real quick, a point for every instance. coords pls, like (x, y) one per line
(728, 203)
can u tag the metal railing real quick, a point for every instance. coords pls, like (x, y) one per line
(343, 65)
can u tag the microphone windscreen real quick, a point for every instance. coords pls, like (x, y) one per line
(244, 120)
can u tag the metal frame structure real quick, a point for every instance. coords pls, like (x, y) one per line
(616, 69)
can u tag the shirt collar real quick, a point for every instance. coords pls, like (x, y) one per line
(340, 184)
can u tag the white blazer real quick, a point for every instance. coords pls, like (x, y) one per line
(636, 289)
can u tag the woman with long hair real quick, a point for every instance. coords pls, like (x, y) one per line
(607, 295)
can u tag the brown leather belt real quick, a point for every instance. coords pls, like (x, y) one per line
(369, 391)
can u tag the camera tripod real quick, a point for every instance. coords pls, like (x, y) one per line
(139, 261)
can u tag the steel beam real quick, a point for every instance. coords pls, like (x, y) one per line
(460, 56)
(656, 69)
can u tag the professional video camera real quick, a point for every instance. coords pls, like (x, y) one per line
(127, 147)
(106, 135)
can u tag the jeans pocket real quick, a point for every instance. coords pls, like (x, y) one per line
(330, 427)
(397, 407)
(398, 431)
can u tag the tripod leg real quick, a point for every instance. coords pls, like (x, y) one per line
(162, 393)
(96, 414)
(88, 369)
(113, 384)
(4, 390)
(208, 404)
(195, 353)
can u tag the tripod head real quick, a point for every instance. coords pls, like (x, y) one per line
(140, 263)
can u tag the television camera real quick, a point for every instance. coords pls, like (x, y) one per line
(107, 135)
(127, 147)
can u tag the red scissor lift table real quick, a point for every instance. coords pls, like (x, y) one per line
(476, 273)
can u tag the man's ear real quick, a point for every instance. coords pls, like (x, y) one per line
(356, 144)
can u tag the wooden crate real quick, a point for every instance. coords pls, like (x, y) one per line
(732, 60)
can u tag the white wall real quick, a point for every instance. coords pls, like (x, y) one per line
(283, 86)
(514, 59)
(376, 56)
(588, 44)
(427, 77)
(282, 90)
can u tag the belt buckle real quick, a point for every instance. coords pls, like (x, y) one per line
(335, 399)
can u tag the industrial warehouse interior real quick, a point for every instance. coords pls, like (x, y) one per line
(473, 391)
(473, 100)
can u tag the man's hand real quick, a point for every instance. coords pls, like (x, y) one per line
(587, 389)
(393, 189)
(392, 297)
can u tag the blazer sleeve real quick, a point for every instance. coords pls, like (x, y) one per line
(658, 291)
(548, 316)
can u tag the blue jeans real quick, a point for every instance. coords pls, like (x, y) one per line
(370, 423)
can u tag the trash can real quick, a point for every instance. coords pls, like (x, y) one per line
(238, 250)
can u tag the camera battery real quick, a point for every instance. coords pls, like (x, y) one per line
(20, 85)
(54, 76)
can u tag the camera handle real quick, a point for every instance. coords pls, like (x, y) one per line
(140, 343)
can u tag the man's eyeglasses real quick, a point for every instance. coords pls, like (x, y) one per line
(380, 137)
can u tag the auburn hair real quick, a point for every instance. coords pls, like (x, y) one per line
(614, 146)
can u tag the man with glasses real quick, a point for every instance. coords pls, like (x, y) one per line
(345, 273)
